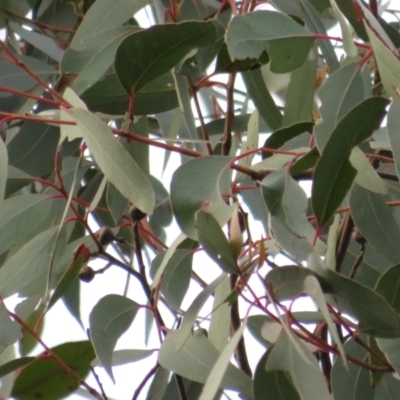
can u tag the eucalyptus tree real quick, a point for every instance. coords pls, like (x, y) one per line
(249, 103)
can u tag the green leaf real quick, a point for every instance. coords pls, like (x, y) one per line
(69, 276)
(355, 382)
(286, 283)
(380, 228)
(109, 97)
(388, 286)
(122, 357)
(272, 385)
(367, 176)
(251, 143)
(388, 388)
(214, 242)
(376, 316)
(342, 91)
(315, 23)
(109, 319)
(103, 16)
(114, 161)
(10, 331)
(13, 365)
(300, 95)
(146, 55)
(182, 335)
(177, 276)
(3, 176)
(158, 385)
(44, 378)
(14, 77)
(43, 139)
(312, 286)
(388, 63)
(307, 376)
(287, 204)
(29, 265)
(221, 365)
(196, 359)
(198, 185)
(262, 98)
(393, 125)
(334, 174)
(287, 42)
(391, 349)
(278, 138)
(42, 42)
(220, 323)
(95, 56)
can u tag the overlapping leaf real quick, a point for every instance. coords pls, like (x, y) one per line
(114, 160)
(144, 56)
(287, 42)
(334, 174)
(198, 185)
(196, 359)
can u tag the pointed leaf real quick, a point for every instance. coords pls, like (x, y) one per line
(191, 314)
(215, 242)
(342, 91)
(177, 276)
(380, 228)
(146, 55)
(278, 138)
(122, 357)
(217, 372)
(29, 265)
(262, 98)
(334, 174)
(114, 160)
(109, 319)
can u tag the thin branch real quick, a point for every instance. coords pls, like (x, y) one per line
(144, 381)
(57, 359)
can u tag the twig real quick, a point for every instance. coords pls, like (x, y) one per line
(144, 381)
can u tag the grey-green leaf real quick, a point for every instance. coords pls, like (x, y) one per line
(114, 160)
(109, 319)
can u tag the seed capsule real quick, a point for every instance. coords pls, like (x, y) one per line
(86, 274)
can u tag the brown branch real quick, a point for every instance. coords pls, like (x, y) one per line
(226, 147)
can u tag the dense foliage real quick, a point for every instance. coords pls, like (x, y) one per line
(250, 101)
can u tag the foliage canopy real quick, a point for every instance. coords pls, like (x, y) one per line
(251, 102)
